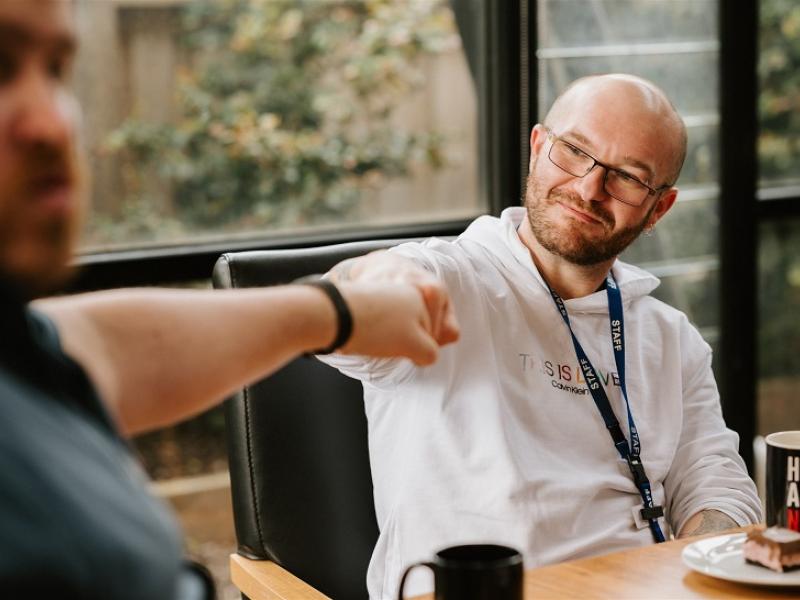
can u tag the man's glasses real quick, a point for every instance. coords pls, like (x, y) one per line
(617, 183)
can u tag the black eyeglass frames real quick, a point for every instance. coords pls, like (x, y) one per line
(619, 184)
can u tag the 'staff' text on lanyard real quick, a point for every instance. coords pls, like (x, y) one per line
(630, 453)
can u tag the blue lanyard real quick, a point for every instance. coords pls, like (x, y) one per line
(630, 453)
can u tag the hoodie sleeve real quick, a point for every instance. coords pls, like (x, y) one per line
(707, 471)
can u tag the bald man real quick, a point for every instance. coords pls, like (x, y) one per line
(577, 415)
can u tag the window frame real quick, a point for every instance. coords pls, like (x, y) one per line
(736, 365)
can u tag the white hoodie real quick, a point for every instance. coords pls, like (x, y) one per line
(500, 440)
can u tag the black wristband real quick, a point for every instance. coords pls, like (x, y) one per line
(344, 317)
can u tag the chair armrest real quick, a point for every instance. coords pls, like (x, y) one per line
(265, 580)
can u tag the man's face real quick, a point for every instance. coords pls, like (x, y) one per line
(574, 217)
(39, 174)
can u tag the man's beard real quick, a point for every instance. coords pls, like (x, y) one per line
(572, 243)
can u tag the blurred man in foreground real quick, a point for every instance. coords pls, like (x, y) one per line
(77, 374)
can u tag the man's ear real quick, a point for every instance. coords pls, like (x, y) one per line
(664, 203)
(538, 138)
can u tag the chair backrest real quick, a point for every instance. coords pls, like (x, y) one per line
(297, 447)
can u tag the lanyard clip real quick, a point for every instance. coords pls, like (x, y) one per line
(637, 470)
(652, 512)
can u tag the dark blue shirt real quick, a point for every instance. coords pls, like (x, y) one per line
(76, 519)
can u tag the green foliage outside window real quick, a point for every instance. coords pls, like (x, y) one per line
(779, 98)
(779, 161)
(285, 114)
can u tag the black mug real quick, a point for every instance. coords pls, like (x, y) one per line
(474, 572)
(783, 479)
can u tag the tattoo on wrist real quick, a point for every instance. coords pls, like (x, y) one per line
(711, 521)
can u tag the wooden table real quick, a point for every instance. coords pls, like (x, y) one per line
(652, 572)
(655, 571)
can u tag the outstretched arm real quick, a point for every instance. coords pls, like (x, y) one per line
(158, 356)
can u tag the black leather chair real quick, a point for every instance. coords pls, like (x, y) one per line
(297, 447)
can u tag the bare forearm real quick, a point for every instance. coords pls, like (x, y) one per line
(707, 521)
(159, 356)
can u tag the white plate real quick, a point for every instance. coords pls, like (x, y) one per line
(722, 557)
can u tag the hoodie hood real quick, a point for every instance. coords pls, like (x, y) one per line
(500, 238)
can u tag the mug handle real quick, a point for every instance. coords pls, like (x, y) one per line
(430, 565)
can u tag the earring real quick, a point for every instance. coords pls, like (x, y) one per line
(648, 231)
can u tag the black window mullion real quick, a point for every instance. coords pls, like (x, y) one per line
(501, 88)
(736, 366)
(778, 208)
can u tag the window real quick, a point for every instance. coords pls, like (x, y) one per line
(675, 44)
(779, 326)
(231, 120)
(778, 402)
(779, 95)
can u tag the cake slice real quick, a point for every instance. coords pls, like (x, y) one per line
(775, 548)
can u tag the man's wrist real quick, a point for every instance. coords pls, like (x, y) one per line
(344, 318)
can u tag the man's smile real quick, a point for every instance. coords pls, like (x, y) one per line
(579, 214)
